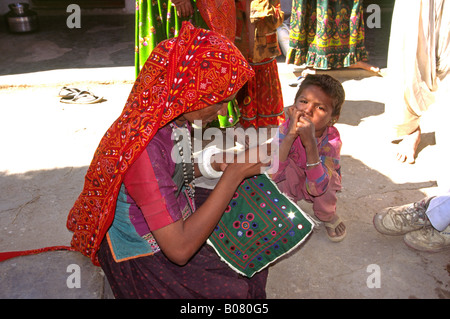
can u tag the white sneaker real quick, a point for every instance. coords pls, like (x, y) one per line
(428, 239)
(400, 220)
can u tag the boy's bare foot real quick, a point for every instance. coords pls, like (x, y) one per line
(336, 229)
(407, 148)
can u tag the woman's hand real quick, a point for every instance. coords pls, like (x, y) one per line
(245, 164)
(180, 240)
(219, 161)
(184, 8)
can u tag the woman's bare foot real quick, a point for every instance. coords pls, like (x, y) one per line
(336, 229)
(407, 148)
(365, 66)
(357, 65)
(307, 71)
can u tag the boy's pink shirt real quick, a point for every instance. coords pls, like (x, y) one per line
(318, 177)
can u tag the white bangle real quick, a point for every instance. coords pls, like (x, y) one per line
(313, 164)
(204, 165)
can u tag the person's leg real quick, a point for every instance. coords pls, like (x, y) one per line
(428, 239)
(436, 237)
(399, 220)
(430, 211)
(411, 73)
(442, 109)
(424, 224)
(324, 207)
(407, 147)
(438, 211)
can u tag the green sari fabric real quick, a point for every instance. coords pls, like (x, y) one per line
(326, 34)
(157, 20)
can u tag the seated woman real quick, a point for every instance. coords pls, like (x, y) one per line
(151, 241)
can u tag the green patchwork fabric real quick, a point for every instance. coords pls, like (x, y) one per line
(259, 226)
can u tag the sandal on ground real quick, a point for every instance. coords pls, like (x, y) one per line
(68, 92)
(333, 226)
(82, 97)
(382, 73)
(297, 81)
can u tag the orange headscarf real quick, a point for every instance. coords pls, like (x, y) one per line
(187, 73)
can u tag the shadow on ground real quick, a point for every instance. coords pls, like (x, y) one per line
(319, 269)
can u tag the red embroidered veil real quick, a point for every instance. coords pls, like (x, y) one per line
(219, 15)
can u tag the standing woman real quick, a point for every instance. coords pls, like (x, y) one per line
(137, 214)
(261, 99)
(327, 34)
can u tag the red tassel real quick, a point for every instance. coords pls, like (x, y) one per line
(12, 254)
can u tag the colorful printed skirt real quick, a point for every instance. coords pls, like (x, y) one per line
(326, 34)
(261, 99)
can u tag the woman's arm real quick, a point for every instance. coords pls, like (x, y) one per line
(180, 240)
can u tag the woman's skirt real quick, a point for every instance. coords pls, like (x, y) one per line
(155, 21)
(156, 277)
(261, 99)
(326, 34)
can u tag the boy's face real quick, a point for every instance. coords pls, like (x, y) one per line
(316, 106)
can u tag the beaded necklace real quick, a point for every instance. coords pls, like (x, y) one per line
(189, 180)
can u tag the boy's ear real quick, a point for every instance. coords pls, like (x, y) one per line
(333, 120)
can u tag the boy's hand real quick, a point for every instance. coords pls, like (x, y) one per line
(306, 130)
(294, 116)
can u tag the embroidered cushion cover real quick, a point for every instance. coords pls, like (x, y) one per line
(259, 226)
